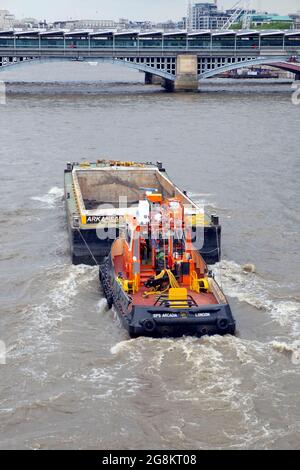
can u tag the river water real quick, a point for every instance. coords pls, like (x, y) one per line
(72, 378)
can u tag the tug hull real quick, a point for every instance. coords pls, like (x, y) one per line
(197, 321)
(160, 321)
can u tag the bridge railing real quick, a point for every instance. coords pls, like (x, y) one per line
(165, 44)
(135, 48)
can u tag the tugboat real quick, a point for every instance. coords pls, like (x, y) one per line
(156, 279)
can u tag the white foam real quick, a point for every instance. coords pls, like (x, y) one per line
(198, 373)
(121, 347)
(99, 375)
(214, 381)
(67, 288)
(199, 195)
(50, 199)
(102, 305)
(285, 313)
(203, 199)
(6, 410)
(252, 289)
(56, 307)
(292, 350)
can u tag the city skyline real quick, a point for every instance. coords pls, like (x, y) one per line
(156, 10)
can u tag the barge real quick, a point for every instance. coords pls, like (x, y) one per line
(159, 285)
(97, 198)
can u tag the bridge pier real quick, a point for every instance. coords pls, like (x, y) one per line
(297, 77)
(168, 85)
(186, 74)
(151, 79)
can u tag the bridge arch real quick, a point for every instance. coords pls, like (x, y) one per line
(133, 63)
(276, 62)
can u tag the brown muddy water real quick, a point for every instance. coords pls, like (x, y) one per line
(72, 379)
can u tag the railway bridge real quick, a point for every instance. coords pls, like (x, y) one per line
(179, 59)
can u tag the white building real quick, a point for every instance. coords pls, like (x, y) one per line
(206, 15)
(95, 24)
(85, 24)
(6, 20)
(296, 18)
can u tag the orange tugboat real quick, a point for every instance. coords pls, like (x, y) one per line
(157, 281)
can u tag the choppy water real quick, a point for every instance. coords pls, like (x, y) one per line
(72, 377)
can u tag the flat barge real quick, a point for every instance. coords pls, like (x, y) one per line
(98, 195)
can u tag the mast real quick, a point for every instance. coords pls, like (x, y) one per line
(241, 11)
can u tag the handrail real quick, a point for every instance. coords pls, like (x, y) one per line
(163, 302)
(78, 195)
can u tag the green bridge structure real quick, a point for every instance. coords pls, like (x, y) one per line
(176, 59)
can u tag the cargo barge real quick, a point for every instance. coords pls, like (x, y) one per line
(97, 197)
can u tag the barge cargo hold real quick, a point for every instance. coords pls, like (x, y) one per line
(97, 196)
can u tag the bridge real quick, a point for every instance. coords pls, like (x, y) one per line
(180, 59)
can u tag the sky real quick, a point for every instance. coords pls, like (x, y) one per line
(154, 10)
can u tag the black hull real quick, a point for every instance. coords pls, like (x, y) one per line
(211, 250)
(160, 321)
(86, 248)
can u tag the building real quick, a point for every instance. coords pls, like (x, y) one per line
(6, 20)
(168, 25)
(296, 19)
(29, 23)
(95, 24)
(125, 23)
(84, 24)
(206, 16)
(271, 19)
